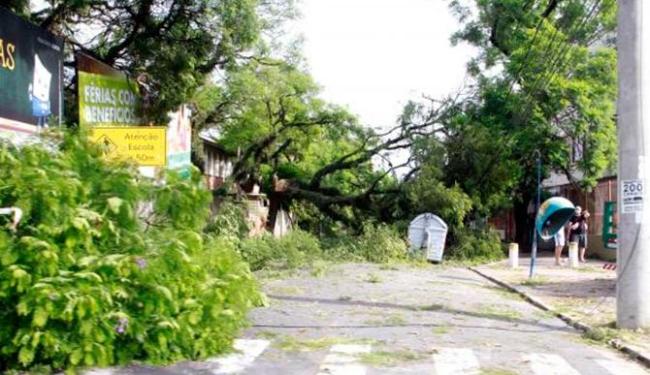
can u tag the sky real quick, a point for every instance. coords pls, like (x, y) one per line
(374, 55)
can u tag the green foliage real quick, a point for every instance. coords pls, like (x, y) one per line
(230, 222)
(273, 115)
(174, 46)
(96, 276)
(378, 243)
(296, 249)
(558, 84)
(274, 110)
(545, 84)
(429, 195)
(475, 245)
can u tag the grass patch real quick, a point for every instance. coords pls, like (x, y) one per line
(433, 307)
(320, 268)
(373, 278)
(589, 269)
(499, 266)
(389, 267)
(581, 309)
(543, 314)
(268, 335)
(464, 263)
(503, 292)
(500, 312)
(292, 344)
(497, 371)
(535, 281)
(441, 330)
(568, 304)
(390, 358)
(271, 274)
(391, 320)
(600, 335)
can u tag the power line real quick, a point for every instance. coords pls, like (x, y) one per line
(558, 61)
(553, 72)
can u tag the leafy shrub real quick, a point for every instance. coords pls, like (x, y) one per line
(379, 243)
(229, 222)
(293, 250)
(475, 245)
(94, 276)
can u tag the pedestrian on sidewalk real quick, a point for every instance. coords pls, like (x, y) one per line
(560, 242)
(578, 231)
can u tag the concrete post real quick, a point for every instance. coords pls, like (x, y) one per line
(633, 285)
(573, 255)
(513, 255)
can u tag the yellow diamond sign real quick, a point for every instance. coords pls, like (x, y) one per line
(145, 145)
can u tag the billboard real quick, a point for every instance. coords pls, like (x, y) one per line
(31, 71)
(110, 105)
(107, 97)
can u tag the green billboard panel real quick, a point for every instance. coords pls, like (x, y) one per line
(108, 100)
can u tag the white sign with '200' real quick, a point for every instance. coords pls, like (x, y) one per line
(632, 196)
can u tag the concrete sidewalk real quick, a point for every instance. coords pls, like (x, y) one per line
(585, 295)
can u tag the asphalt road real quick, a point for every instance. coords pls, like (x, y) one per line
(358, 319)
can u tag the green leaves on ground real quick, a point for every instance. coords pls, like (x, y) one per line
(107, 267)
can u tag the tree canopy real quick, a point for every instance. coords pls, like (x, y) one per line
(543, 83)
(555, 79)
(170, 46)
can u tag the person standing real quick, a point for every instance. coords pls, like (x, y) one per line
(578, 231)
(560, 241)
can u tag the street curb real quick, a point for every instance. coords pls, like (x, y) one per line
(614, 343)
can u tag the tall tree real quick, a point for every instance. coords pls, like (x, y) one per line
(272, 113)
(546, 79)
(170, 46)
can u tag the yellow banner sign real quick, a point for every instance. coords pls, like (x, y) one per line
(147, 146)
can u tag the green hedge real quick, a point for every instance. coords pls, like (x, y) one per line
(295, 249)
(87, 280)
(475, 245)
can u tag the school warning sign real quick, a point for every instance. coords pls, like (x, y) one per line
(144, 145)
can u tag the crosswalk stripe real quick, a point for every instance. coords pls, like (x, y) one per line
(248, 351)
(549, 364)
(619, 367)
(343, 359)
(456, 361)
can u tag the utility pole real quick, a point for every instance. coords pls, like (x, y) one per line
(633, 284)
(533, 252)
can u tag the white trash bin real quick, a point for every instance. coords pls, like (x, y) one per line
(429, 232)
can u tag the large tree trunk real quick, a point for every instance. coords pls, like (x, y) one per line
(275, 204)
